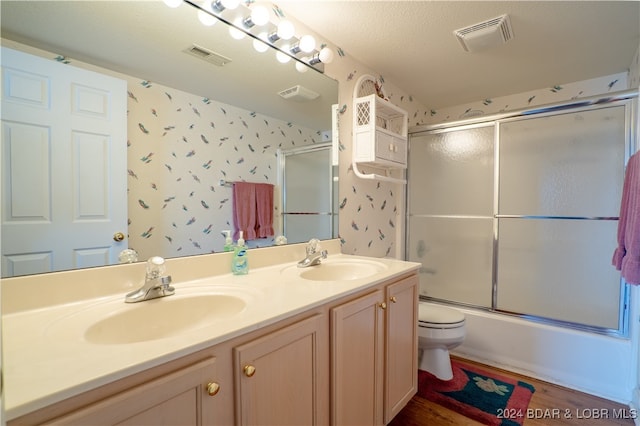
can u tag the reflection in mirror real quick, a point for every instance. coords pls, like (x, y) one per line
(188, 124)
(308, 206)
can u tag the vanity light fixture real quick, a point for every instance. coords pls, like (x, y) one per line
(259, 16)
(247, 20)
(325, 56)
(273, 37)
(285, 29)
(221, 5)
(307, 43)
(295, 49)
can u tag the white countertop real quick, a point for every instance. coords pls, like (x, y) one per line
(47, 359)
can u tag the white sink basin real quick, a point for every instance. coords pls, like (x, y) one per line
(341, 270)
(164, 317)
(115, 322)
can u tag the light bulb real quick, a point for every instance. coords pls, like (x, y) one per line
(235, 32)
(326, 55)
(230, 4)
(301, 67)
(282, 58)
(285, 30)
(205, 18)
(260, 45)
(173, 3)
(307, 43)
(259, 15)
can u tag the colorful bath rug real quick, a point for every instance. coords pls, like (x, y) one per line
(479, 394)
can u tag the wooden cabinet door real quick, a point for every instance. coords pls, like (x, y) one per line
(281, 378)
(179, 398)
(357, 330)
(401, 357)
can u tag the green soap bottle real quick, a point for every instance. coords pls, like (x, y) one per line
(240, 262)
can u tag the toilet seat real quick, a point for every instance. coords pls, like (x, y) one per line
(434, 316)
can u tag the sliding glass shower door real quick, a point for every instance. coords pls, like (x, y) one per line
(450, 224)
(560, 187)
(308, 189)
(519, 215)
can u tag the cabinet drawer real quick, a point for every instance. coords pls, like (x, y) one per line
(391, 148)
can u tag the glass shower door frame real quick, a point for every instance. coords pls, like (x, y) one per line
(282, 156)
(631, 114)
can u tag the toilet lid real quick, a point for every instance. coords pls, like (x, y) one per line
(434, 314)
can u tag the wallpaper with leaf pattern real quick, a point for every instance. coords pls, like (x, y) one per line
(180, 146)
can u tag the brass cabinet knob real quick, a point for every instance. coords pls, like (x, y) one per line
(383, 305)
(213, 388)
(118, 236)
(249, 370)
(393, 299)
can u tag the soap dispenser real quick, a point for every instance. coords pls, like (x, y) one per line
(240, 263)
(228, 241)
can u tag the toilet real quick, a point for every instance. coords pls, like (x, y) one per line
(439, 330)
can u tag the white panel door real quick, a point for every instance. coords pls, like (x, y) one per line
(63, 165)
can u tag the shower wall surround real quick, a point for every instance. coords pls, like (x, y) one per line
(180, 146)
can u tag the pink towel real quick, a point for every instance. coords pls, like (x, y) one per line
(626, 258)
(252, 210)
(244, 210)
(264, 204)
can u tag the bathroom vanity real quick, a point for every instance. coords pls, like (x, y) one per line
(334, 343)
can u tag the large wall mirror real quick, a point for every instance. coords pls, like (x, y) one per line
(201, 111)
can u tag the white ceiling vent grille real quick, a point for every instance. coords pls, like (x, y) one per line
(298, 93)
(207, 55)
(484, 35)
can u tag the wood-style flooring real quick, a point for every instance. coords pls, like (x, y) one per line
(551, 405)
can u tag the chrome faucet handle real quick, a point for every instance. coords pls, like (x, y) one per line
(155, 267)
(312, 246)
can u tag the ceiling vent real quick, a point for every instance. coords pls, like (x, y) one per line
(207, 55)
(485, 35)
(298, 93)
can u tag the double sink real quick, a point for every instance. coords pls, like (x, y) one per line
(112, 322)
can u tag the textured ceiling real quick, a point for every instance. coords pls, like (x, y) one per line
(411, 43)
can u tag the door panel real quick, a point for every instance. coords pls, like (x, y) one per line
(63, 166)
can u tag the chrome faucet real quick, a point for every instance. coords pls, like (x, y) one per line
(314, 254)
(156, 283)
